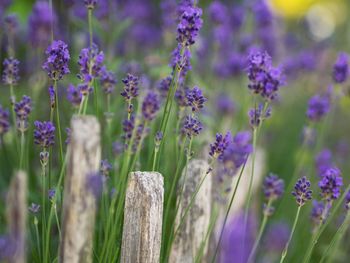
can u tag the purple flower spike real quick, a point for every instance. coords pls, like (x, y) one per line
(150, 106)
(34, 208)
(330, 184)
(323, 161)
(273, 187)
(52, 96)
(236, 154)
(4, 121)
(264, 78)
(91, 63)
(44, 133)
(317, 212)
(257, 115)
(131, 89)
(195, 99)
(10, 73)
(107, 80)
(22, 109)
(318, 107)
(189, 25)
(341, 68)
(56, 64)
(302, 191)
(74, 95)
(51, 193)
(164, 86)
(219, 146)
(191, 126)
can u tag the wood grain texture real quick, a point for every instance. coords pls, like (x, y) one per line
(16, 212)
(143, 218)
(79, 204)
(193, 230)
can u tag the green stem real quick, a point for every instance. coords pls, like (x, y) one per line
(43, 218)
(22, 150)
(261, 231)
(227, 213)
(58, 122)
(285, 250)
(13, 101)
(90, 27)
(336, 239)
(37, 235)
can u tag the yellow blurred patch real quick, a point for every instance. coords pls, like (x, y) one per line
(292, 8)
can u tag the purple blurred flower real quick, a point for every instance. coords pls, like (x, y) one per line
(318, 106)
(191, 126)
(164, 86)
(195, 99)
(180, 97)
(8, 248)
(273, 187)
(11, 23)
(4, 121)
(94, 184)
(218, 12)
(189, 25)
(264, 78)
(90, 4)
(51, 193)
(105, 167)
(44, 133)
(128, 127)
(302, 191)
(91, 63)
(276, 238)
(10, 74)
(108, 80)
(330, 184)
(39, 22)
(236, 154)
(225, 105)
(263, 14)
(56, 64)
(68, 132)
(34, 208)
(317, 212)
(74, 95)
(52, 96)
(150, 106)
(118, 148)
(341, 68)
(218, 148)
(237, 242)
(181, 60)
(258, 115)
(22, 109)
(323, 161)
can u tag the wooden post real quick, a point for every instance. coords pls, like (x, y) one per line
(17, 215)
(194, 228)
(79, 204)
(143, 218)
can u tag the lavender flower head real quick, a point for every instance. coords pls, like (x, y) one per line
(219, 146)
(131, 89)
(189, 25)
(91, 63)
(330, 184)
(191, 126)
(302, 191)
(105, 167)
(317, 212)
(4, 121)
(10, 74)
(236, 154)
(258, 115)
(225, 105)
(273, 187)
(164, 86)
(56, 64)
(150, 106)
(107, 80)
(182, 61)
(318, 107)
(323, 161)
(90, 4)
(40, 21)
(341, 68)
(74, 95)
(44, 134)
(51, 193)
(195, 99)
(128, 127)
(264, 78)
(22, 109)
(8, 248)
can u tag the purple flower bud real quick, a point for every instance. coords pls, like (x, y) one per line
(341, 68)
(189, 25)
(150, 106)
(130, 87)
(51, 193)
(91, 63)
(164, 86)
(180, 97)
(323, 161)
(158, 138)
(4, 121)
(257, 115)
(273, 187)
(128, 127)
(44, 133)
(22, 109)
(195, 99)
(302, 191)
(107, 80)
(105, 167)
(330, 184)
(219, 146)
(34, 208)
(10, 73)
(56, 64)
(319, 212)
(90, 4)
(318, 107)
(74, 95)
(52, 96)
(191, 126)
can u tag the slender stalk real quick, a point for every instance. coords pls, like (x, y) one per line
(12, 102)
(260, 233)
(336, 239)
(285, 250)
(90, 27)
(57, 221)
(22, 150)
(227, 213)
(58, 122)
(43, 217)
(37, 235)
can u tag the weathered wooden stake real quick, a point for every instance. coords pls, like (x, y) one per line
(193, 230)
(17, 215)
(143, 218)
(79, 204)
